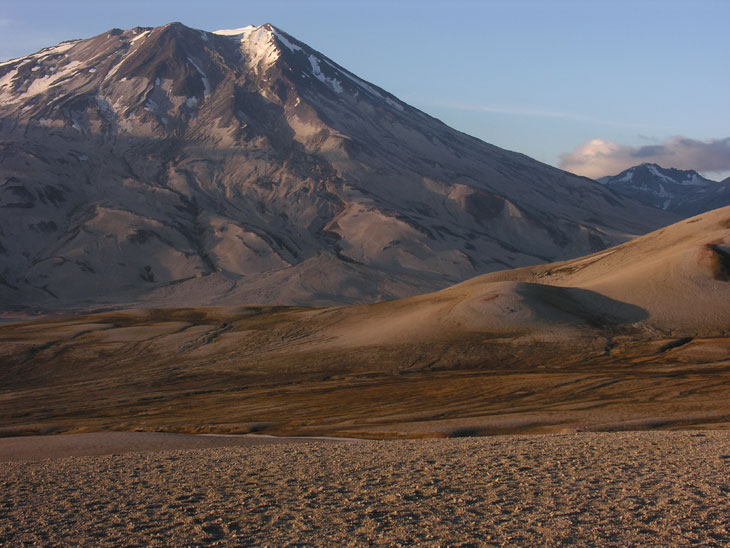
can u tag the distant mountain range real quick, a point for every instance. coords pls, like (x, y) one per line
(171, 166)
(686, 193)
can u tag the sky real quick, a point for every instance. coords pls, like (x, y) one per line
(591, 86)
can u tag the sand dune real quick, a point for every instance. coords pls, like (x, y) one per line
(678, 274)
(674, 279)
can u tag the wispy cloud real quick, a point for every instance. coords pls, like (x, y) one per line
(540, 113)
(597, 158)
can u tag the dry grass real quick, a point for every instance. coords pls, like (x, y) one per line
(234, 372)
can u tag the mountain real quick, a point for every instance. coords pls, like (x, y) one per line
(171, 166)
(632, 337)
(686, 193)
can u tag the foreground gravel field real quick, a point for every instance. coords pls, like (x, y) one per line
(589, 489)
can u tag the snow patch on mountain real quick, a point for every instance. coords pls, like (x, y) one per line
(365, 86)
(5, 81)
(690, 178)
(287, 43)
(139, 36)
(628, 176)
(333, 83)
(206, 82)
(41, 85)
(235, 32)
(258, 44)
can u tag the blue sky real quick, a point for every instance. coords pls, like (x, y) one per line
(588, 85)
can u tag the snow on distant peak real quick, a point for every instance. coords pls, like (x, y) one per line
(264, 44)
(245, 32)
(686, 178)
(654, 171)
(628, 176)
(287, 43)
(45, 52)
(38, 85)
(697, 180)
(235, 32)
(139, 36)
(258, 44)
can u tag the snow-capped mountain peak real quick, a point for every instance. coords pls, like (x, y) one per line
(676, 176)
(258, 44)
(243, 31)
(682, 191)
(263, 45)
(172, 165)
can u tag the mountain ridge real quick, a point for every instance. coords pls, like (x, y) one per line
(684, 192)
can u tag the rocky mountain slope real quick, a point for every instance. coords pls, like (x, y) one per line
(683, 192)
(172, 166)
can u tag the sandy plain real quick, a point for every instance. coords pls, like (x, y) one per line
(588, 489)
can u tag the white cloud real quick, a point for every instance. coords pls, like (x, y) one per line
(597, 158)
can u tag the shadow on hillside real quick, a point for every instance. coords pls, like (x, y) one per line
(592, 308)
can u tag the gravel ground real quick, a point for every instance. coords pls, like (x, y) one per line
(589, 489)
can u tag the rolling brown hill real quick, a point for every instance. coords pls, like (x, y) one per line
(637, 336)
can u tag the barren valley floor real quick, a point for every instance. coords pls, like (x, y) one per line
(589, 489)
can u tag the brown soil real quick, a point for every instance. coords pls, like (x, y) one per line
(590, 489)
